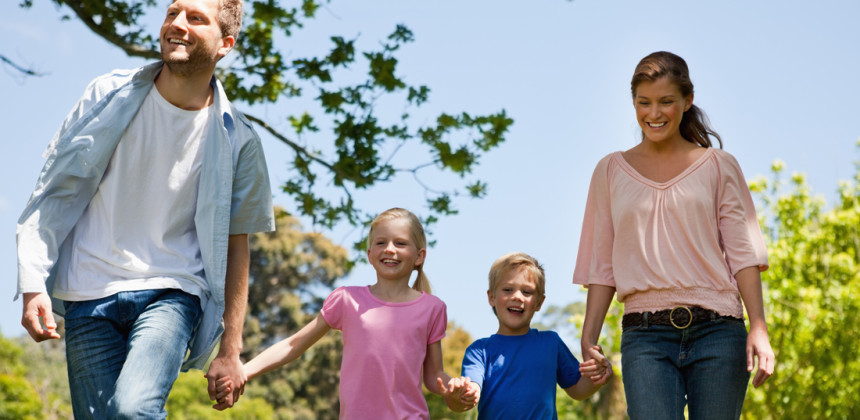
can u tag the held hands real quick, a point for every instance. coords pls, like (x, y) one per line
(228, 372)
(460, 394)
(758, 347)
(37, 306)
(596, 367)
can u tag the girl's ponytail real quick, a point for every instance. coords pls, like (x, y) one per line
(422, 283)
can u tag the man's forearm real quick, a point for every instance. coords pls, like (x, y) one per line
(235, 295)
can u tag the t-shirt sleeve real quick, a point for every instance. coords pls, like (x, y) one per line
(438, 323)
(251, 208)
(332, 310)
(594, 257)
(474, 363)
(568, 367)
(740, 232)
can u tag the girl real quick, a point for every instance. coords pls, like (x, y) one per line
(670, 224)
(391, 333)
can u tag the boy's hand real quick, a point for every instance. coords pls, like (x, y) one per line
(597, 368)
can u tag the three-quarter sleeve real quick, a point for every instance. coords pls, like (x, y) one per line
(594, 258)
(740, 233)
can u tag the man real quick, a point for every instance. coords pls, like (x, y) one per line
(137, 231)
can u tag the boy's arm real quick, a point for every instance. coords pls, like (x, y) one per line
(595, 373)
(288, 349)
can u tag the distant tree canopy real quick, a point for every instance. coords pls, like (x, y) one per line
(362, 145)
(812, 300)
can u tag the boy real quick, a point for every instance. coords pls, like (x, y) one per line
(517, 368)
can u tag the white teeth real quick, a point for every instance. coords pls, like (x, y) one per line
(515, 310)
(657, 125)
(389, 261)
(178, 41)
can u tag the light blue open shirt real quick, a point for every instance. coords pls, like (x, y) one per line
(234, 195)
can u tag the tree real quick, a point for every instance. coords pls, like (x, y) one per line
(812, 300)
(453, 349)
(289, 271)
(362, 146)
(188, 400)
(609, 401)
(18, 399)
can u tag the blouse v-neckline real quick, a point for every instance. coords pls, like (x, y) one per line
(662, 185)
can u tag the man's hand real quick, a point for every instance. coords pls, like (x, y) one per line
(37, 309)
(226, 367)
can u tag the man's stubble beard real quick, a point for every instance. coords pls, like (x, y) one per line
(198, 59)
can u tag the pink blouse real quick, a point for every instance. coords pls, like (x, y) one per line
(673, 243)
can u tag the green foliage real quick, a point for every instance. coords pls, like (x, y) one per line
(18, 398)
(812, 300)
(609, 401)
(188, 400)
(288, 268)
(453, 349)
(346, 141)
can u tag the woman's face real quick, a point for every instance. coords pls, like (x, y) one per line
(660, 106)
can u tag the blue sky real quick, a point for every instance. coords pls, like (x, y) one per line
(777, 79)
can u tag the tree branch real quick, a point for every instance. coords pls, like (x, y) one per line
(26, 71)
(110, 35)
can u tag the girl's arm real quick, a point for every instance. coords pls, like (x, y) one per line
(460, 394)
(597, 303)
(288, 349)
(758, 343)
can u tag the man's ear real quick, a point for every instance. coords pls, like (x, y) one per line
(227, 44)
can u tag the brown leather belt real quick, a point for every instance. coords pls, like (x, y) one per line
(679, 317)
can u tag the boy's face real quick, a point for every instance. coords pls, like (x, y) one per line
(515, 301)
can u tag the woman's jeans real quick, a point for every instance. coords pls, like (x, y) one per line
(706, 363)
(124, 351)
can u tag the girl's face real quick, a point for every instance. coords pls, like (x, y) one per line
(660, 108)
(392, 252)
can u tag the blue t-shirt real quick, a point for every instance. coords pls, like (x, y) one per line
(518, 374)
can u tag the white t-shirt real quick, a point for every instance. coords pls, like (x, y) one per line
(138, 232)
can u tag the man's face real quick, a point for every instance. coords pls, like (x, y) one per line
(191, 40)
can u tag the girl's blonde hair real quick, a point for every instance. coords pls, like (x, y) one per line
(422, 283)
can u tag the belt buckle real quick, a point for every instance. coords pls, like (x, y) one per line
(672, 317)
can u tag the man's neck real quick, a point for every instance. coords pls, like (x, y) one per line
(190, 93)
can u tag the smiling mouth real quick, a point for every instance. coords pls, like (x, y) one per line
(656, 125)
(516, 310)
(176, 41)
(389, 261)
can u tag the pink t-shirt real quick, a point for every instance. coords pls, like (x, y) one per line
(384, 345)
(673, 243)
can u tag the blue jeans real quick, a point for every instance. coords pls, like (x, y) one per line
(124, 351)
(664, 368)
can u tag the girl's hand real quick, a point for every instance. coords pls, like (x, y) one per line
(597, 367)
(223, 388)
(460, 394)
(758, 347)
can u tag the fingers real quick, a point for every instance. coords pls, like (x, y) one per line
(442, 386)
(766, 365)
(37, 306)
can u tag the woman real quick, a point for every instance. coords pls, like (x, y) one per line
(670, 225)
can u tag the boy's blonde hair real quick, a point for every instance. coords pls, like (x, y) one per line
(422, 283)
(518, 261)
